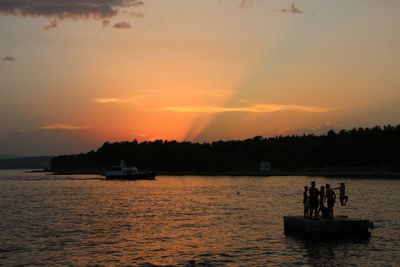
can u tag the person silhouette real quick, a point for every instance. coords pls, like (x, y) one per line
(331, 198)
(306, 201)
(321, 200)
(342, 194)
(314, 193)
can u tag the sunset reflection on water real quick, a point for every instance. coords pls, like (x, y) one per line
(233, 221)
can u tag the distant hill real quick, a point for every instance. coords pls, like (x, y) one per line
(9, 157)
(26, 162)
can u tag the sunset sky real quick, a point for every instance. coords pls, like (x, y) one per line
(74, 74)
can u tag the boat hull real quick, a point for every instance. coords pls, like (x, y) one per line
(339, 227)
(132, 176)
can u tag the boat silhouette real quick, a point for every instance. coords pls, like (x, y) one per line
(123, 172)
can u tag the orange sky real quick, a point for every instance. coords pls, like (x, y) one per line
(75, 77)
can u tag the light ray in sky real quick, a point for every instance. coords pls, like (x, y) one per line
(193, 70)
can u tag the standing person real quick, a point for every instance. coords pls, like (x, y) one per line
(321, 200)
(342, 194)
(314, 193)
(306, 201)
(331, 198)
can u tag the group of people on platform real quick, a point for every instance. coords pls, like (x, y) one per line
(314, 200)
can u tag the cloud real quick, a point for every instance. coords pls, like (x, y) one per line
(53, 126)
(51, 25)
(105, 22)
(137, 100)
(137, 15)
(197, 93)
(245, 3)
(256, 108)
(62, 9)
(122, 25)
(60, 126)
(8, 58)
(108, 100)
(293, 9)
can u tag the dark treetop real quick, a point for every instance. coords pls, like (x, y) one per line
(376, 147)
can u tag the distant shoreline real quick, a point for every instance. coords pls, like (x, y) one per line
(362, 174)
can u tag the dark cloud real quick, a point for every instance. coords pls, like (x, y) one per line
(51, 25)
(106, 22)
(8, 58)
(122, 25)
(293, 9)
(62, 9)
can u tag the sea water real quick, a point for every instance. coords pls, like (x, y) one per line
(84, 220)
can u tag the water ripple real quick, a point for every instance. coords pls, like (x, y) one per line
(182, 221)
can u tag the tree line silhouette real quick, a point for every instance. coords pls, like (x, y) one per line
(365, 147)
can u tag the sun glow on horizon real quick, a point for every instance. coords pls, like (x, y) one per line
(193, 70)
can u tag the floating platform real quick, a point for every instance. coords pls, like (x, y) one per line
(338, 227)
